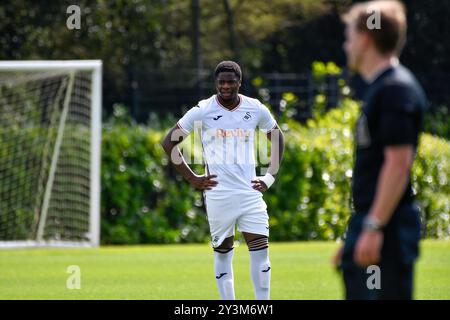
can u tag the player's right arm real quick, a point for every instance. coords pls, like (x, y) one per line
(170, 146)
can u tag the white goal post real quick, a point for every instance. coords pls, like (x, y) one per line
(50, 143)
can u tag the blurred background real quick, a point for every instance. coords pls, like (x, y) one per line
(159, 55)
(158, 61)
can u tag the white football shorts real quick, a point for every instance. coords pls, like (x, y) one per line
(247, 209)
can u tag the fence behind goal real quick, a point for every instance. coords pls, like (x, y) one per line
(50, 131)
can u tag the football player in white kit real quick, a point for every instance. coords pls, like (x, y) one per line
(233, 193)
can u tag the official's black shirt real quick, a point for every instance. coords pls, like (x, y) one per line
(392, 114)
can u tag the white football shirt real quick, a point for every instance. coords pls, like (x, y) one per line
(228, 140)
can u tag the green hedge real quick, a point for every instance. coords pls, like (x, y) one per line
(431, 175)
(310, 199)
(144, 200)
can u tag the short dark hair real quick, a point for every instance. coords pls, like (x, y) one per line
(392, 35)
(228, 66)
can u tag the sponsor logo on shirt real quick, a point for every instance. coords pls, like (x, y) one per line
(239, 133)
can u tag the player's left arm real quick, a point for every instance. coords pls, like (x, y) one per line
(276, 138)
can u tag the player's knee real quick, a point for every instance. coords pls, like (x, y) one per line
(258, 243)
(223, 250)
(226, 246)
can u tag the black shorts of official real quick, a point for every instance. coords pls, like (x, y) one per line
(399, 252)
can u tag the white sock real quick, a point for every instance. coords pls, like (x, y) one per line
(260, 271)
(223, 269)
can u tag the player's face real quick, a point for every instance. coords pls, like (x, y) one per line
(354, 47)
(227, 85)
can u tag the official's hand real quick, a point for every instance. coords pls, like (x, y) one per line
(368, 248)
(259, 185)
(203, 182)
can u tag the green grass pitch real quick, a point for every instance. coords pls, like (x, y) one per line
(300, 270)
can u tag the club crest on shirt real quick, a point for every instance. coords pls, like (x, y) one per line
(362, 132)
(247, 116)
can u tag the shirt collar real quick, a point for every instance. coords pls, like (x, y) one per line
(392, 64)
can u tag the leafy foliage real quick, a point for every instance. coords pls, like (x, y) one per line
(145, 200)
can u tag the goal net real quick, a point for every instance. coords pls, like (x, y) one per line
(50, 129)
